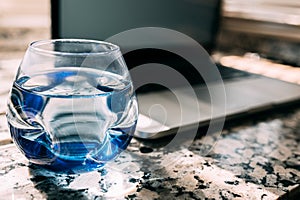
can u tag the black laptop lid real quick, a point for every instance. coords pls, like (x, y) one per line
(101, 19)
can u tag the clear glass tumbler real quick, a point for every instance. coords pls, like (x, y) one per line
(72, 106)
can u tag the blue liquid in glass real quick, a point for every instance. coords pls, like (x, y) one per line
(72, 119)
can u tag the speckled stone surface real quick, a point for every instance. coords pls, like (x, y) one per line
(255, 158)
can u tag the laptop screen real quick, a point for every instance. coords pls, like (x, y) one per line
(101, 19)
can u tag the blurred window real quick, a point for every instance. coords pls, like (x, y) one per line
(277, 11)
(21, 22)
(275, 18)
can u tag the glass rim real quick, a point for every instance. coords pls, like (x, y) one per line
(36, 46)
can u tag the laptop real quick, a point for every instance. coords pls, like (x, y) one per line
(165, 110)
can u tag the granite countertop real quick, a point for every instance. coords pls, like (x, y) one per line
(253, 158)
(259, 159)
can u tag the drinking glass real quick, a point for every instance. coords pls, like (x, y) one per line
(72, 106)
